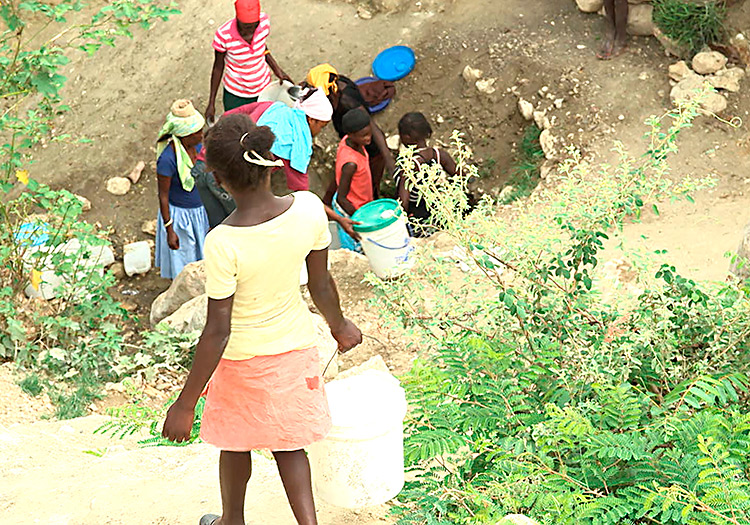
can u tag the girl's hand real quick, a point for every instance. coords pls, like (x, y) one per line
(179, 422)
(172, 240)
(347, 335)
(348, 226)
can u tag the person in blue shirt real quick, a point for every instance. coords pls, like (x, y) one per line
(182, 223)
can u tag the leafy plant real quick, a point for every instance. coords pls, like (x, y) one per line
(525, 174)
(693, 24)
(32, 385)
(545, 392)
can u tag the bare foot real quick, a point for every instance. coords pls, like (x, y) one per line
(607, 49)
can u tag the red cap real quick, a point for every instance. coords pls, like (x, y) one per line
(248, 11)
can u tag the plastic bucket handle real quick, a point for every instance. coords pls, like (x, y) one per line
(387, 247)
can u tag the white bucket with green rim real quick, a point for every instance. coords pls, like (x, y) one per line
(385, 237)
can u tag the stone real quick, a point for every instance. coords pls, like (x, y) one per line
(541, 120)
(149, 227)
(590, 6)
(708, 62)
(118, 270)
(548, 144)
(692, 86)
(517, 519)
(486, 86)
(137, 258)
(393, 142)
(727, 79)
(471, 75)
(85, 203)
(526, 108)
(190, 283)
(546, 169)
(118, 185)
(190, 317)
(364, 13)
(135, 174)
(740, 266)
(641, 20)
(679, 70)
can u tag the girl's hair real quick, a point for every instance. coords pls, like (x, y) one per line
(415, 125)
(229, 140)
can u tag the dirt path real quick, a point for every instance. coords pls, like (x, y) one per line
(59, 473)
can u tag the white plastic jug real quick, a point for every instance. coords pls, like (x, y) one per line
(361, 461)
(385, 237)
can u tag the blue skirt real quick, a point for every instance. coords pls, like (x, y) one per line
(191, 227)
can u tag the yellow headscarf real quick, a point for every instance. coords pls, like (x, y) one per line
(320, 77)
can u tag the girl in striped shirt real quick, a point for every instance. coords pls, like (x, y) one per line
(241, 57)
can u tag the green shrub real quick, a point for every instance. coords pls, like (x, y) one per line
(32, 384)
(544, 391)
(693, 24)
(525, 173)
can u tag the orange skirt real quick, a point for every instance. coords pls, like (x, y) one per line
(274, 402)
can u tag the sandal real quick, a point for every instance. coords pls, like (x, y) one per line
(209, 519)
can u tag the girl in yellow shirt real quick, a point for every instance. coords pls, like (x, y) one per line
(258, 346)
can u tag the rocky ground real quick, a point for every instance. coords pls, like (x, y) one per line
(486, 68)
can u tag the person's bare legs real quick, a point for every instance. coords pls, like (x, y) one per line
(234, 473)
(294, 469)
(617, 25)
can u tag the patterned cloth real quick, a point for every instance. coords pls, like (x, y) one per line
(246, 71)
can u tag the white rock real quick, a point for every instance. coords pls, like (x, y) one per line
(85, 203)
(708, 62)
(137, 258)
(546, 169)
(641, 20)
(559, 103)
(526, 108)
(679, 70)
(364, 13)
(486, 86)
(393, 142)
(590, 6)
(541, 120)
(471, 75)
(727, 79)
(692, 86)
(149, 227)
(118, 185)
(548, 144)
(191, 316)
(190, 283)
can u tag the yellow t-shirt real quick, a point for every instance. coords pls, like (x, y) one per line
(260, 265)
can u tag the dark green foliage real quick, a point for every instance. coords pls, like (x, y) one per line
(32, 385)
(524, 174)
(694, 24)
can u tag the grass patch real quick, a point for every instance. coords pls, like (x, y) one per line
(693, 24)
(69, 405)
(525, 173)
(32, 385)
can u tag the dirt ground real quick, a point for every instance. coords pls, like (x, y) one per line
(119, 97)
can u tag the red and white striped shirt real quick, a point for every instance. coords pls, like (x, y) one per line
(246, 72)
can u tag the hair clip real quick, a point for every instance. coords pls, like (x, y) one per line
(260, 161)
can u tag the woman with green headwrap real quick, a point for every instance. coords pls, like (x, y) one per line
(182, 224)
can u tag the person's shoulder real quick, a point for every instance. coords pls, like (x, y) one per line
(264, 20)
(167, 158)
(307, 198)
(219, 238)
(224, 30)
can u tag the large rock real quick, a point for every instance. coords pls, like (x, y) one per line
(641, 20)
(708, 62)
(679, 71)
(526, 108)
(549, 144)
(191, 316)
(692, 86)
(727, 79)
(190, 283)
(118, 185)
(590, 6)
